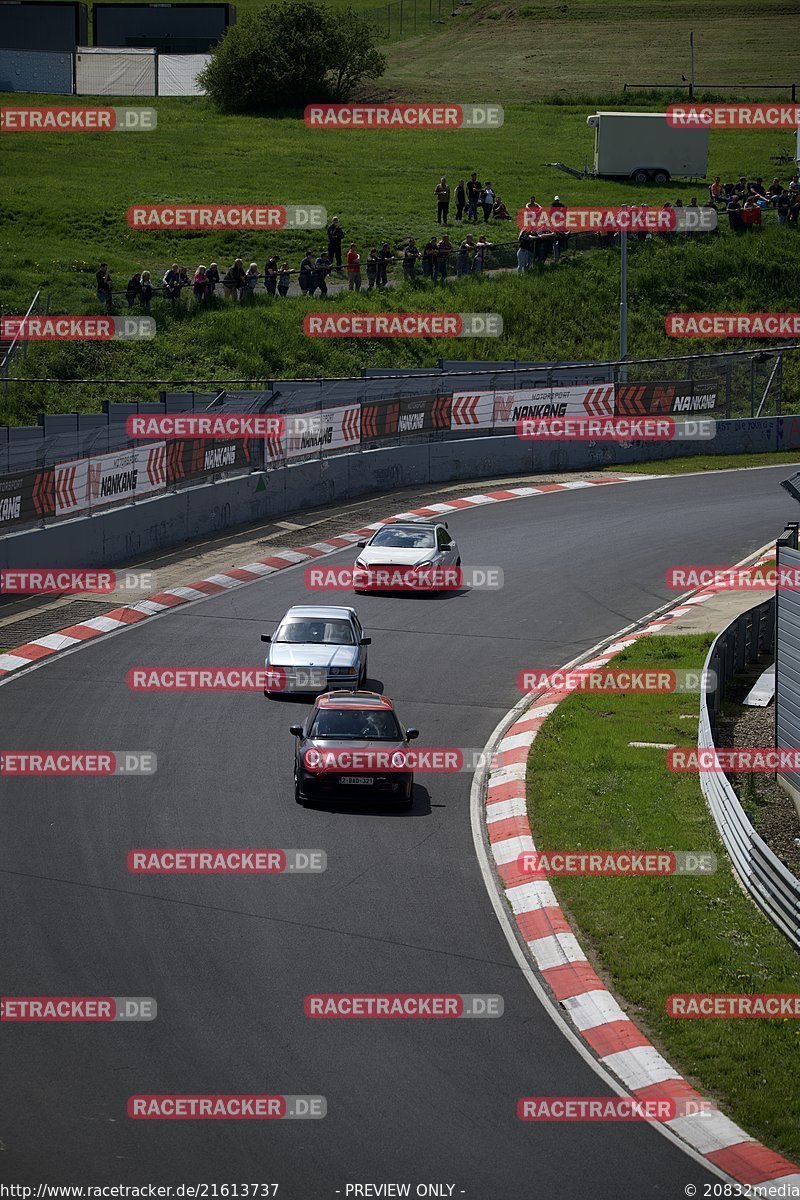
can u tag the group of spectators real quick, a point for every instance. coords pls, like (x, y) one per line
(744, 201)
(438, 257)
(471, 197)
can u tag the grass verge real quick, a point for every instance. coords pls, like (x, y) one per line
(653, 937)
(708, 462)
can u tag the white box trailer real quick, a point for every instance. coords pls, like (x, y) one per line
(643, 147)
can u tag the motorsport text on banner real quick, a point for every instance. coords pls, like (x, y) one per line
(235, 425)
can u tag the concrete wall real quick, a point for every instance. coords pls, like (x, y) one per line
(137, 530)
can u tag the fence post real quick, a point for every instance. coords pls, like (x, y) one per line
(779, 385)
(388, 20)
(728, 372)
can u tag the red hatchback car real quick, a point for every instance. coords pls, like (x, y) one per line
(352, 745)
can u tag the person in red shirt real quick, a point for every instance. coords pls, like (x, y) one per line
(353, 269)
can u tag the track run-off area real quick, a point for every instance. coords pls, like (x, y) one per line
(401, 908)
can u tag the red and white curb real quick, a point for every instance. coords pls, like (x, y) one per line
(118, 618)
(610, 1035)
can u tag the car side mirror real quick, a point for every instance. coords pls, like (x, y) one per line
(265, 637)
(361, 545)
(297, 730)
(366, 641)
(411, 734)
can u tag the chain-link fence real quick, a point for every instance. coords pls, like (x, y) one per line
(404, 18)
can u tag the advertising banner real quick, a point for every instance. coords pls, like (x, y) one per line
(527, 404)
(110, 478)
(411, 414)
(687, 395)
(25, 497)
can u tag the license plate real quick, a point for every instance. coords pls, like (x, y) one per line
(357, 779)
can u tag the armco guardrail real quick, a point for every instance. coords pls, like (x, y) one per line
(771, 884)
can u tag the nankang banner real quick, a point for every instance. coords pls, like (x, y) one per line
(316, 432)
(26, 497)
(110, 478)
(410, 414)
(524, 404)
(685, 395)
(193, 458)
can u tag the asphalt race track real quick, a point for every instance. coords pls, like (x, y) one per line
(401, 908)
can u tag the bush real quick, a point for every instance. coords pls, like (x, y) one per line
(290, 55)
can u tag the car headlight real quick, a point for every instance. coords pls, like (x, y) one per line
(360, 564)
(344, 670)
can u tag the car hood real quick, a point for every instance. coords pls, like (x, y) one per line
(311, 654)
(391, 556)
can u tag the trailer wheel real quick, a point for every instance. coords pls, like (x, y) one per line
(661, 177)
(640, 176)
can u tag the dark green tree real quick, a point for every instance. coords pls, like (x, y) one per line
(290, 55)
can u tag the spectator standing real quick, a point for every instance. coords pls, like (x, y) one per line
(251, 279)
(134, 289)
(782, 205)
(372, 268)
(460, 199)
(559, 239)
(200, 284)
(212, 278)
(239, 278)
(463, 257)
(271, 275)
(481, 251)
(322, 269)
(410, 256)
(353, 269)
(429, 259)
(487, 201)
(283, 280)
(385, 256)
(525, 248)
(305, 275)
(735, 214)
(335, 239)
(146, 294)
(442, 194)
(172, 284)
(473, 197)
(104, 293)
(443, 252)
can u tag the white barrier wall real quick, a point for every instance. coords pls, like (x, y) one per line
(106, 72)
(177, 74)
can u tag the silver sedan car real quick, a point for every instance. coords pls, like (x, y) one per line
(316, 648)
(405, 547)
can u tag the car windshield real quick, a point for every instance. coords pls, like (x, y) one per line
(338, 724)
(316, 631)
(404, 539)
